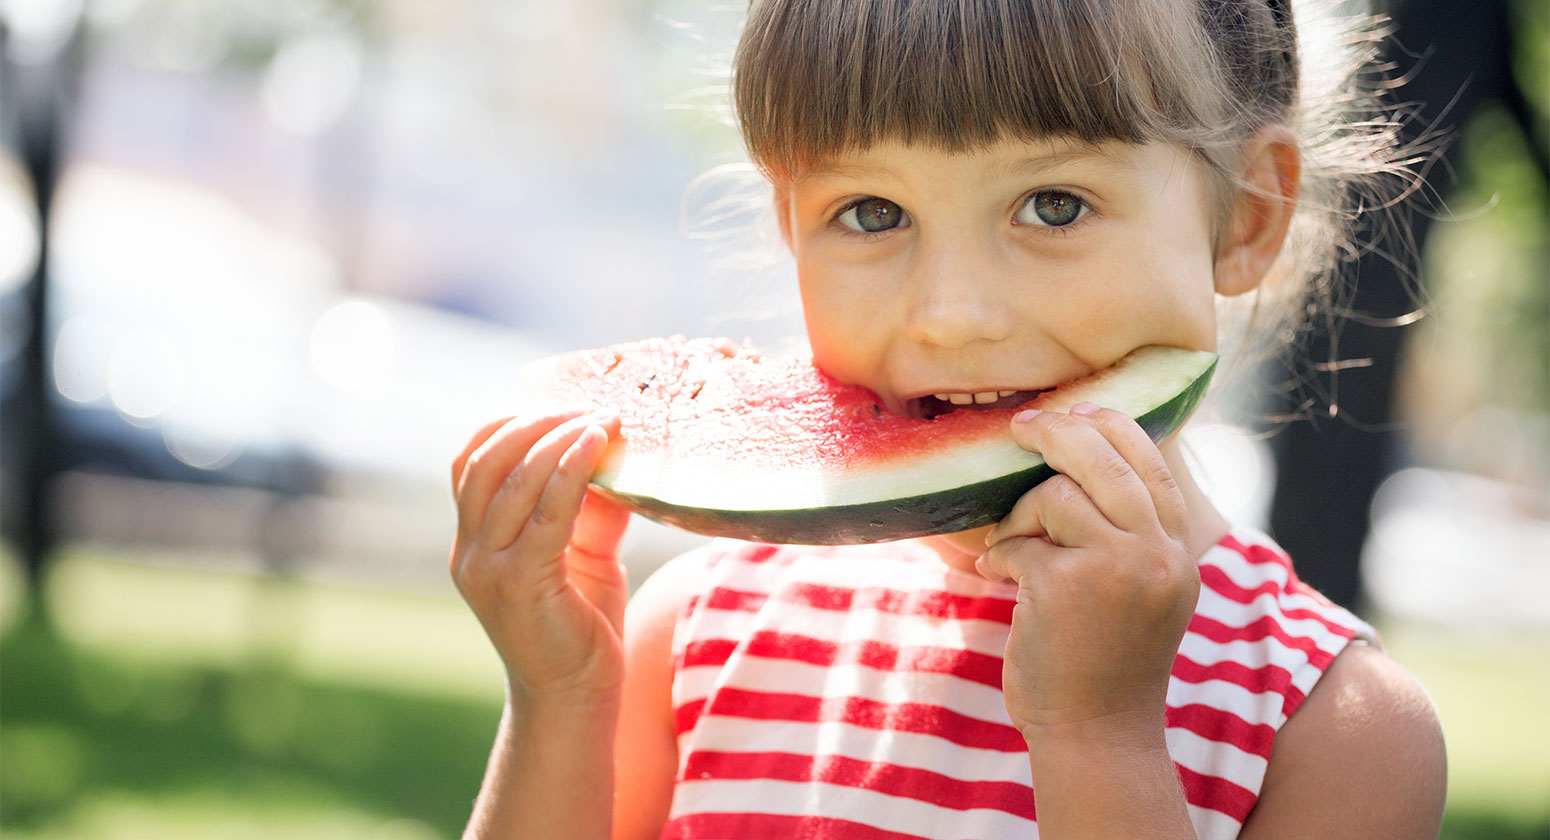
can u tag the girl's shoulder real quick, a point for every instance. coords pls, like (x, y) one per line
(1354, 725)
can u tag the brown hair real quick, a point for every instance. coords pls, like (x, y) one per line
(816, 78)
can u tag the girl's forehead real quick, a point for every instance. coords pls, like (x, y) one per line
(1008, 157)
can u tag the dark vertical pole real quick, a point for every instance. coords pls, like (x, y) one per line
(44, 94)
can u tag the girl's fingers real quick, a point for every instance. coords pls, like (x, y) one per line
(1075, 445)
(1059, 511)
(1013, 559)
(461, 461)
(1146, 460)
(548, 530)
(487, 467)
(516, 499)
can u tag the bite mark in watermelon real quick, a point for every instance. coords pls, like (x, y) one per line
(722, 441)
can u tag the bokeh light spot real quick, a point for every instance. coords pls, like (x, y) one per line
(353, 346)
(145, 375)
(81, 353)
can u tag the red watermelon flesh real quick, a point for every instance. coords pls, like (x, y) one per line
(711, 400)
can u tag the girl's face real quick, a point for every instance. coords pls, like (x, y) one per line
(1015, 268)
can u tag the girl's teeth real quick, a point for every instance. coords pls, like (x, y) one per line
(982, 397)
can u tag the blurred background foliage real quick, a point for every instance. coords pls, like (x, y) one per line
(300, 246)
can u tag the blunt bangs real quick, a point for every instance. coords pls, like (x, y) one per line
(814, 78)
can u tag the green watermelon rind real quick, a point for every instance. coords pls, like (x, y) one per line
(938, 511)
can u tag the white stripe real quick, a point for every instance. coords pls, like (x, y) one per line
(1215, 758)
(1213, 825)
(975, 700)
(1253, 708)
(904, 749)
(1250, 654)
(890, 813)
(974, 635)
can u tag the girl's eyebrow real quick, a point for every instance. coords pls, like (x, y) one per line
(834, 169)
(1099, 155)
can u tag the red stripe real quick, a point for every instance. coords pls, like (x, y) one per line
(923, 718)
(975, 667)
(881, 777)
(687, 715)
(1294, 698)
(751, 552)
(1225, 727)
(1256, 553)
(935, 604)
(1256, 631)
(707, 652)
(1219, 582)
(1216, 794)
(759, 826)
(733, 600)
(1257, 680)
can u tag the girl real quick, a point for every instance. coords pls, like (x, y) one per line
(979, 196)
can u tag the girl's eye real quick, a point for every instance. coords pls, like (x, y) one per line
(1051, 208)
(874, 215)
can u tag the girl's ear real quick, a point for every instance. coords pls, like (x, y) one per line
(1261, 211)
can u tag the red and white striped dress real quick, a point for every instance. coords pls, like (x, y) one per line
(856, 693)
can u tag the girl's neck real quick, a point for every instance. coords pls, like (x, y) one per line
(1207, 525)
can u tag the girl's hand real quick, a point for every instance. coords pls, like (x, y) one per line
(1106, 581)
(536, 553)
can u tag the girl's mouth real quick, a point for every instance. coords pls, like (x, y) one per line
(931, 406)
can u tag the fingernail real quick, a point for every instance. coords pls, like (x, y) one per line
(1025, 415)
(1084, 408)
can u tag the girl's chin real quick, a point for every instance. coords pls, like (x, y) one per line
(960, 550)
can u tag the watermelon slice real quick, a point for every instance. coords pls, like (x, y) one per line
(722, 441)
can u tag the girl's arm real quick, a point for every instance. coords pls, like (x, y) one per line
(536, 558)
(1362, 757)
(550, 772)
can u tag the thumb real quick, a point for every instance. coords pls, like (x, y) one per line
(600, 526)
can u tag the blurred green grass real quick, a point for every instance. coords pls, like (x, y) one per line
(180, 703)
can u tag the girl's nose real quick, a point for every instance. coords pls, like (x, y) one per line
(956, 300)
